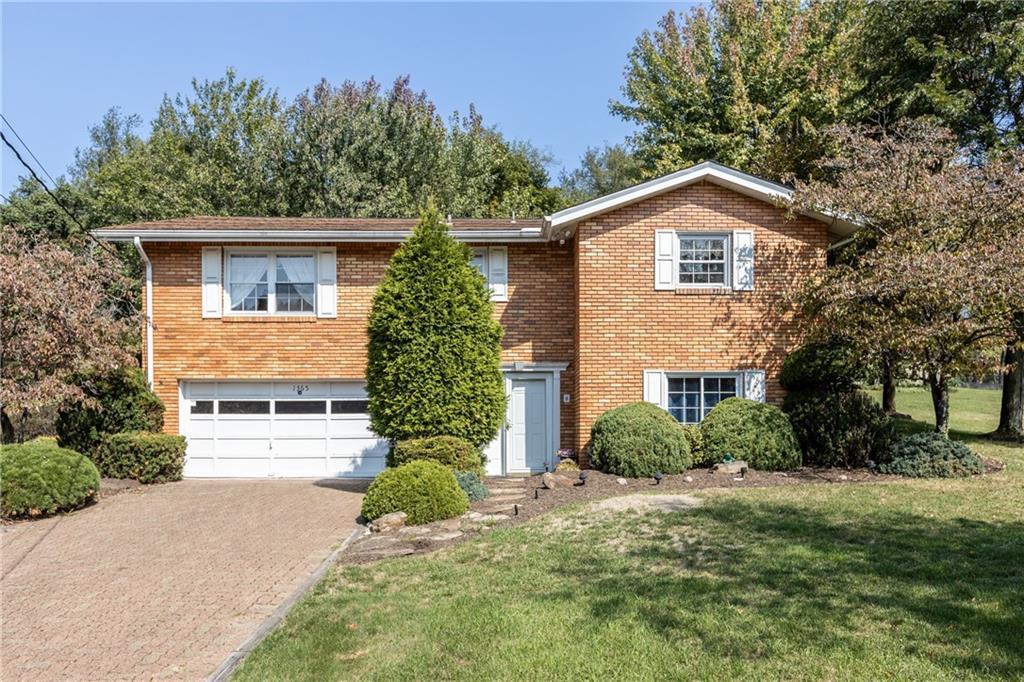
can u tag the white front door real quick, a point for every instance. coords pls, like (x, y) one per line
(528, 434)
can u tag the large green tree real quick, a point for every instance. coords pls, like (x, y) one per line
(749, 84)
(435, 348)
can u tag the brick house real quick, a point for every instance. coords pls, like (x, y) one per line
(673, 291)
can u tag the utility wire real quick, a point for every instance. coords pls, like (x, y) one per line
(53, 196)
(28, 149)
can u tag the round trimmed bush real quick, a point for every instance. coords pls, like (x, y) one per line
(423, 489)
(637, 440)
(755, 432)
(124, 402)
(821, 365)
(146, 457)
(927, 455)
(472, 485)
(39, 478)
(844, 429)
(454, 453)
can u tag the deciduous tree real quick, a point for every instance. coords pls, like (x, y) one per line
(940, 284)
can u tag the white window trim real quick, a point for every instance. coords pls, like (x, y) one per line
(738, 376)
(271, 254)
(484, 252)
(728, 253)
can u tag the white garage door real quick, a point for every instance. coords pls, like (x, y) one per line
(281, 428)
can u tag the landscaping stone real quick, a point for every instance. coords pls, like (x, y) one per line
(730, 468)
(552, 481)
(688, 479)
(621, 481)
(392, 521)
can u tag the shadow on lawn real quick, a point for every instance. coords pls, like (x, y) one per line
(762, 576)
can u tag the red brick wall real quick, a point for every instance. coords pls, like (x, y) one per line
(538, 322)
(624, 326)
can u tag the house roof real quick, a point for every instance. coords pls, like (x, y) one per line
(563, 222)
(231, 228)
(556, 226)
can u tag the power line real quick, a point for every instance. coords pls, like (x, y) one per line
(53, 196)
(28, 149)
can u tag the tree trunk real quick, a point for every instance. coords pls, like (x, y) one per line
(940, 400)
(7, 428)
(1011, 409)
(888, 389)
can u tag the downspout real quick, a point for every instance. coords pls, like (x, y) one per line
(149, 310)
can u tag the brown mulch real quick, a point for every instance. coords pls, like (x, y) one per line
(600, 485)
(115, 486)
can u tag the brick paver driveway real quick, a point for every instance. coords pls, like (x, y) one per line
(162, 582)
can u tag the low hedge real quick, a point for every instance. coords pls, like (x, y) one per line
(123, 402)
(844, 428)
(755, 432)
(472, 485)
(425, 490)
(638, 439)
(39, 478)
(454, 453)
(928, 455)
(146, 457)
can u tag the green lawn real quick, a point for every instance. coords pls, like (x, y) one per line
(919, 580)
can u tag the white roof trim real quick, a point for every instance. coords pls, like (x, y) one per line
(741, 182)
(525, 234)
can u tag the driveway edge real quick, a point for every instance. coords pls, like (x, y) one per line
(226, 669)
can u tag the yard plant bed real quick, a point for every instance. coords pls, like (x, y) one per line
(902, 579)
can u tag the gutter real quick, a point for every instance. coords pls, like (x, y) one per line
(149, 309)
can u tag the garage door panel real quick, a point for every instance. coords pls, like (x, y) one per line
(358, 447)
(305, 428)
(242, 448)
(300, 447)
(362, 467)
(243, 428)
(306, 467)
(243, 467)
(201, 428)
(244, 389)
(200, 447)
(199, 466)
(350, 428)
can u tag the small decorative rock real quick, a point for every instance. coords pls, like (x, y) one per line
(621, 481)
(392, 521)
(688, 479)
(552, 481)
(732, 468)
(844, 477)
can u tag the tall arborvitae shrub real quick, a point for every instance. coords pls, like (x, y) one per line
(435, 348)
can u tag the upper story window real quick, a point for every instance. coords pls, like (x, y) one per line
(699, 261)
(704, 260)
(271, 282)
(492, 263)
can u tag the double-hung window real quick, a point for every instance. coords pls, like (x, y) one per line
(690, 398)
(704, 260)
(274, 283)
(492, 263)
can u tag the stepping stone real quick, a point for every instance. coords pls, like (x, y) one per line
(506, 497)
(497, 508)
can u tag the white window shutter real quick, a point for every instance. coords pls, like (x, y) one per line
(653, 387)
(666, 246)
(743, 260)
(212, 289)
(327, 282)
(753, 385)
(497, 272)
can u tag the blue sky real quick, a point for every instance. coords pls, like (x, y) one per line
(540, 72)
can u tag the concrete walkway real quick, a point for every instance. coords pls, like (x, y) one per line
(164, 582)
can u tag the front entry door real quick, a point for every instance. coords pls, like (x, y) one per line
(528, 436)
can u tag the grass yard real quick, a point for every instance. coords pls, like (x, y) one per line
(916, 580)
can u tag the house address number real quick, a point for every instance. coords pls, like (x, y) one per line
(300, 388)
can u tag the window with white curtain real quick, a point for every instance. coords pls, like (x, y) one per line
(272, 283)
